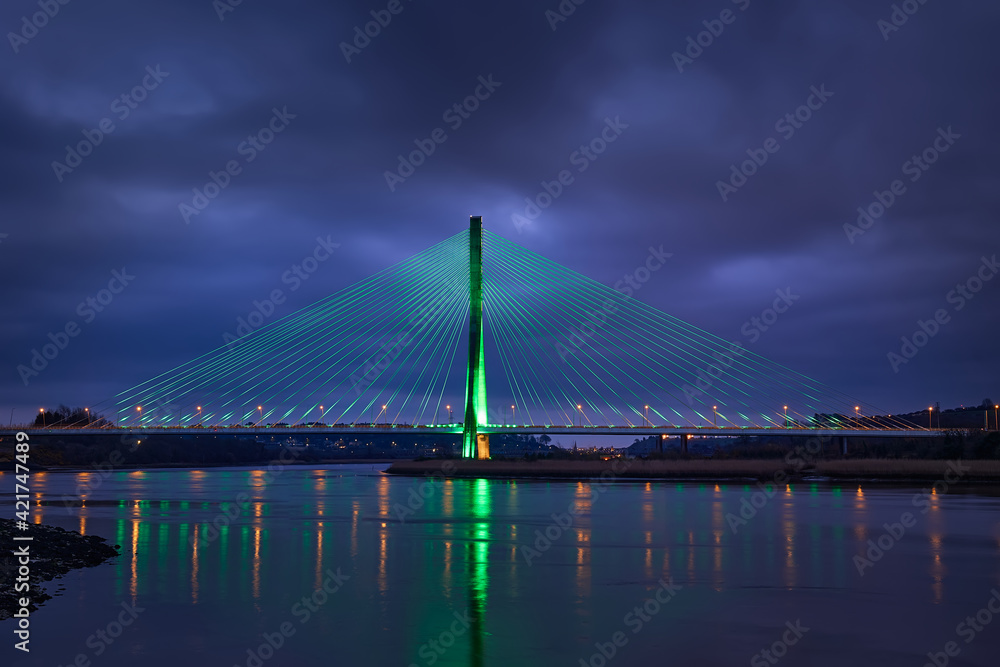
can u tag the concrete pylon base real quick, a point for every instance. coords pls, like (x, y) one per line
(482, 446)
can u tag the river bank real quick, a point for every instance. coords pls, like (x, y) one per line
(191, 465)
(765, 469)
(53, 552)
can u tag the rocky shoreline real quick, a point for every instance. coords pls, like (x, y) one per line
(54, 552)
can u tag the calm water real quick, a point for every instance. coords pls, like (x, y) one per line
(450, 584)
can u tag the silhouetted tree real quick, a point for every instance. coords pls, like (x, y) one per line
(66, 417)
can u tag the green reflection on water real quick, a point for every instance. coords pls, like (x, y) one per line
(162, 541)
(479, 548)
(786, 542)
(223, 557)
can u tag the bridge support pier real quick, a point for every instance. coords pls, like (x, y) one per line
(482, 446)
(843, 445)
(684, 443)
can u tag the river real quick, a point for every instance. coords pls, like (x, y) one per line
(346, 565)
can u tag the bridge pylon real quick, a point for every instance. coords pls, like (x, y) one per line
(475, 444)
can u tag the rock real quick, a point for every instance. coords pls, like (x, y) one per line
(53, 553)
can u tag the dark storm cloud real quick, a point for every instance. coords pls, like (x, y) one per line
(323, 175)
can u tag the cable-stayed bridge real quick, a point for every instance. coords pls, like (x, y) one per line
(420, 342)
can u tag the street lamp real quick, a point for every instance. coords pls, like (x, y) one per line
(715, 415)
(857, 416)
(786, 416)
(930, 417)
(513, 422)
(199, 416)
(42, 411)
(646, 416)
(580, 419)
(321, 417)
(450, 421)
(995, 409)
(139, 409)
(260, 410)
(86, 422)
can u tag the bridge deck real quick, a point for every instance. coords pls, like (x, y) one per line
(387, 429)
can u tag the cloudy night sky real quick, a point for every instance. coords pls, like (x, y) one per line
(210, 75)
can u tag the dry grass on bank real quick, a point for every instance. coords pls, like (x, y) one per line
(908, 468)
(618, 468)
(698, 468)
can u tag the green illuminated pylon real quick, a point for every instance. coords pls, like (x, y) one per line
(475, 445)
